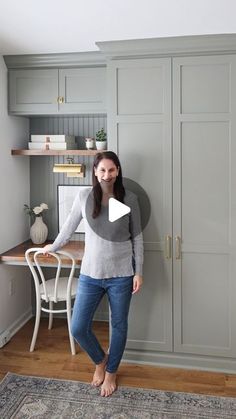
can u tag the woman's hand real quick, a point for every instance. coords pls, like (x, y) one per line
(137, 283)
(46, 249)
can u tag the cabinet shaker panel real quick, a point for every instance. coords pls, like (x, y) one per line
(206, 303)
(33, 91)
(143, 173)
(203, 143)
(83, 90)
(205, 86)
(150, 328)
(140, 89)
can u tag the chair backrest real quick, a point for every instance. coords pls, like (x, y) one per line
(38, 274)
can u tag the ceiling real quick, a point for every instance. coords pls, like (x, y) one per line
(54, 26)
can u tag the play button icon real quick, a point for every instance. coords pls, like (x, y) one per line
(116, 210)
(117, 220)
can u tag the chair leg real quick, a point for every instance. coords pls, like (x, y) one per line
(72, 342)
(50, 315)
(36, 325)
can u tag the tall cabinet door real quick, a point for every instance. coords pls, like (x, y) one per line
(204, 182)
(140, 131)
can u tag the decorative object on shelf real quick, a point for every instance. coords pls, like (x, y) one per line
(52, 142)
(101, 139)
(38, 230)
(71, 169)
(89, 143)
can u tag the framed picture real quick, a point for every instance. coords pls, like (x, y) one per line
(65, 198)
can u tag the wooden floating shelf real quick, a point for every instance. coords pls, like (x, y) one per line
(54, 152)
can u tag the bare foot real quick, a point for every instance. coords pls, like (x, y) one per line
(99, 373)
(109, 384)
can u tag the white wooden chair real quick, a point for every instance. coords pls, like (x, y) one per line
(52, 290)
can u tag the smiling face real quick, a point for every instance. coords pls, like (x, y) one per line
(106, 172)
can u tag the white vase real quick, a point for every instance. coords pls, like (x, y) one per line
(38, 231)
(101, 145)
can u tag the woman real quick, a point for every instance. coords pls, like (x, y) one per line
(112, 265)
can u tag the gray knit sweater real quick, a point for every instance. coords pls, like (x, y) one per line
(106, 258)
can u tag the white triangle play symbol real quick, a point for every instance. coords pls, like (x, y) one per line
(116, 210)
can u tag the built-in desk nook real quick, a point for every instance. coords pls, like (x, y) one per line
(16, 255)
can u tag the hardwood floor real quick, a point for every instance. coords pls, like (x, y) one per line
(52, 359)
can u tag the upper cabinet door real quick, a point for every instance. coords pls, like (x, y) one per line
(33, 91)
(82, 90)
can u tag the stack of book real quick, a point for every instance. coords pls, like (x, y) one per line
(52, 142)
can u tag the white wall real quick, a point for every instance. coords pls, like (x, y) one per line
(27, 29)
(14, 224)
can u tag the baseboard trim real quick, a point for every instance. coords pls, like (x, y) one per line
(18, 324)
(160, 359)
(101, 317)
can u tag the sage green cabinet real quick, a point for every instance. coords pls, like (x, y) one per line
(57, 91)
(173, 123)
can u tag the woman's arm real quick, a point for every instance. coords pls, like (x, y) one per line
(137, 283)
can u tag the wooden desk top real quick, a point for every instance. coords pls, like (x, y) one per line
(16, 255)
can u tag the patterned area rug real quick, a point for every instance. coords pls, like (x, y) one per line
(23, 397)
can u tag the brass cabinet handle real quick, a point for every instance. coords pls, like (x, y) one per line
(60, 99)
(177, 247)
(167, 250)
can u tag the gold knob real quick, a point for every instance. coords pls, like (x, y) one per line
(60, 99)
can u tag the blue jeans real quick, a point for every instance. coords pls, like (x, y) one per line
(89, 294)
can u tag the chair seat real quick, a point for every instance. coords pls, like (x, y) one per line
(62, 289)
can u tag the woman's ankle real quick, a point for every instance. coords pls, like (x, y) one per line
(103, 361)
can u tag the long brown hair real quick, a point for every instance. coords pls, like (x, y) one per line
(119, 190)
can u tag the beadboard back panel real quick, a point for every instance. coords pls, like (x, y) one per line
(43, 184)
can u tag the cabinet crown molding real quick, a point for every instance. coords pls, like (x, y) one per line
(154, 47)
(63, 60)
(134, 48)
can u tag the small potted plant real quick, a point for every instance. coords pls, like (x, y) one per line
(101, 139)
